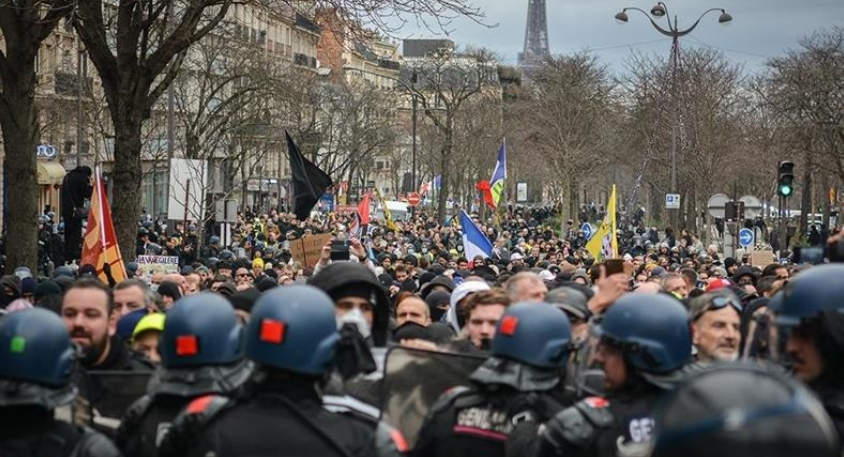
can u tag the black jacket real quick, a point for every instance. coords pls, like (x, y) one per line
(32, 431)
(281, 418)
(75, 189)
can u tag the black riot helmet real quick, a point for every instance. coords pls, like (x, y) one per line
(743, 411)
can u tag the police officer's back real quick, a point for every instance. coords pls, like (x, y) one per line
(645, 341)
(36, 360)
(743, 411)
(520, 383)
(291, 337)
(201, 353)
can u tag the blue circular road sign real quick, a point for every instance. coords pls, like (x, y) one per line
(746, 237)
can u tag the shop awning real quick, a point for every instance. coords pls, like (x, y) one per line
(50, 173)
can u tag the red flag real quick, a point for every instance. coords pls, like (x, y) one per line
(485, 188)
(363, 210)
(100, 244)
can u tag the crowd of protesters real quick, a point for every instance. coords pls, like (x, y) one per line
(671, 349)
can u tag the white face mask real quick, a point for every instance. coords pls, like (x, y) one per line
(356, 317)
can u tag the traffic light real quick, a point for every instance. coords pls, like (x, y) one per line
(785, 182)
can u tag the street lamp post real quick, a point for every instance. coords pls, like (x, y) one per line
(659, 10)
(414, 103)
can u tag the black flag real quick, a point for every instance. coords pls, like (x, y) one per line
(309, 182)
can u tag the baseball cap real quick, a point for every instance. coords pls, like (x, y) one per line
(547, 275)
(154, 321)
(718, 283)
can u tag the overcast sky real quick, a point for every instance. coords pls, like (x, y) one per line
(760, 28)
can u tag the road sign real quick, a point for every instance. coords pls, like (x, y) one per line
(672, 201)
(716, 205)
(587, 230)
(752, 206)
(521, 192)
(413, 198)
(746, 237)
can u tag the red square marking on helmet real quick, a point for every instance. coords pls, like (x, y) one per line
(508, 325)
(597, 402)
(272, 331)
(186, 345)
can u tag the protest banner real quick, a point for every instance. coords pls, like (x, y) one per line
(307, 249)
(148, 265)
(762, 258)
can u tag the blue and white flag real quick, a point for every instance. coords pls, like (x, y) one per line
(438, 182)
(474, 241)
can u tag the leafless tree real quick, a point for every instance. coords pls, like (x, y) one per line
(24, 26)
(570, 124)
(137, 49)
(803, 93)
(445, 83)
(703, 109)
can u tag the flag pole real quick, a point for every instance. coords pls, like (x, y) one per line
(100, 191)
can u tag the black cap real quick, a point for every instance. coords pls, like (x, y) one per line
(169, 289)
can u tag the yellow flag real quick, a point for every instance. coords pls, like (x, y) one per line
(387, 216)
(604, 244)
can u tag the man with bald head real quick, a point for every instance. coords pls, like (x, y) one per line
(180, 281)
(413, 309)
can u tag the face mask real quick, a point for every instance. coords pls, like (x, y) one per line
(355, 317)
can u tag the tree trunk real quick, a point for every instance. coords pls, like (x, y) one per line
(806, 197)
(445, 162)
(127, 174)
(444, 184)
(19, 121)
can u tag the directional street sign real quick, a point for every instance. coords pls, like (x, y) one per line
(587, 230)
(746, 237)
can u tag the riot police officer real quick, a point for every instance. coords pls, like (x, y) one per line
(520, 382)
(809, 314)
(739, 411)
(291, 337)
(645, 341)
(201, 353)
(36, 361)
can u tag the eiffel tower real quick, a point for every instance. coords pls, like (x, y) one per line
(536, 49)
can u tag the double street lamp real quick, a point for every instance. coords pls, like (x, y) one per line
(658, 11)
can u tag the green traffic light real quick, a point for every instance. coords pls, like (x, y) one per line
(785, 190)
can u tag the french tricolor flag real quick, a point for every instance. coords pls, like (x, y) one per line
(474, 241)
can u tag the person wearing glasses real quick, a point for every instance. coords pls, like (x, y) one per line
(716, 322)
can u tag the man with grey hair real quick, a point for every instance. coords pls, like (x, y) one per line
(716, 318)
(675, 285)
(132, 294)
(526, 287)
